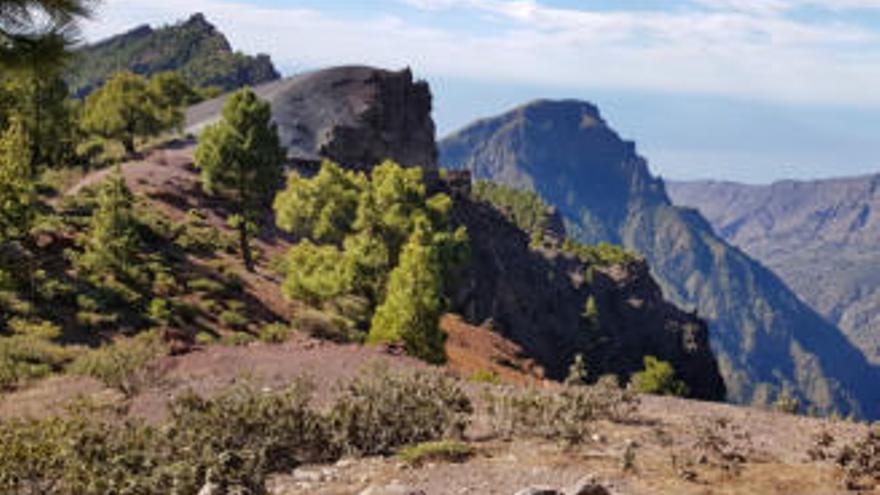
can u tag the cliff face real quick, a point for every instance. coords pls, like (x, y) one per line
(536, 298)
(195, 48)
(766, 339)
(356, 116)
(819, 236)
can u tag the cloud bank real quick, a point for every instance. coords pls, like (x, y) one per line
(760, 49)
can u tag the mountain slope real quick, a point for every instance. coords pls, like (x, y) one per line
(765, 337)
(195, 48)
(819, 236)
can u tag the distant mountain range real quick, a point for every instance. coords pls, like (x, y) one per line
(767, 340)
(194, 47)
(822, 237)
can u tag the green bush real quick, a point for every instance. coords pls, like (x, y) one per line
(275, 333)
(127, 365)
(237, 339)
(241, 435)
(382, 411)
(25, 357)
(658, 378)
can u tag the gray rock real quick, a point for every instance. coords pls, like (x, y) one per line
(539, 490)
(355, 116)
(587, 485)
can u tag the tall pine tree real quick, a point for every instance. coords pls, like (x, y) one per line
(241, 159)
(113, 240)
(414, 301)
(16, 182)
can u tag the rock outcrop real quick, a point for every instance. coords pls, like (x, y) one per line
(536, 298)
(766, 339)
(195, 48)
(356, 116)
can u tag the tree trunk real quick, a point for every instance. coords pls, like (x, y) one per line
(128, 142)
(245, 247)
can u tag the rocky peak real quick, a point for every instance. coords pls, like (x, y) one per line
(356, 116)
(199, 21)
(194, 47)
(565, 151)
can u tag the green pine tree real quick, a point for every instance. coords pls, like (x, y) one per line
(16, 182)
(113, 240)
(414, 302)
(125, 110)
(241, 158)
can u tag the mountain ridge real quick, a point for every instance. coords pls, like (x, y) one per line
(819, 236)
(766, 339)
(194, 47)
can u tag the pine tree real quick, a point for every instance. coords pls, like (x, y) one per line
(322, 207)
(125, 109)
(113, 240)
(411, 311)
(39, 30)
(241, 158)
(16, 182)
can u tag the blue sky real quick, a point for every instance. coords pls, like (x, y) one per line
(748, 90)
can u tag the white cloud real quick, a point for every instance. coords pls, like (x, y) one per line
(746, 48)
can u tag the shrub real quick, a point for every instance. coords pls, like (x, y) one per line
(658, 378)
(381, 411)
(25, 357)
(237, 339)
(233, 319)
(861, 462)
(126, 365)
(486, 376)
(440, 451)
(323, 326)
(275, 333)
(565, 416)
(786, 403)
(241, 435)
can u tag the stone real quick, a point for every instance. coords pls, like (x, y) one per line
(355, 116)
(210, 488)
(539, 490)
(588, 485)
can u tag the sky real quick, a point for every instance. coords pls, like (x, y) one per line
(744, 90)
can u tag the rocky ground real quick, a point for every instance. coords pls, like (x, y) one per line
(671, 446)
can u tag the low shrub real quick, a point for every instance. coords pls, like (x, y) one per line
(127, 365)
(275, 333)
(237, 339)
(382, 411)
(565, 416)
(324, 326)
(25, 357)
(239, 436)
(486, 376)
(658, 378)
(860, 462)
